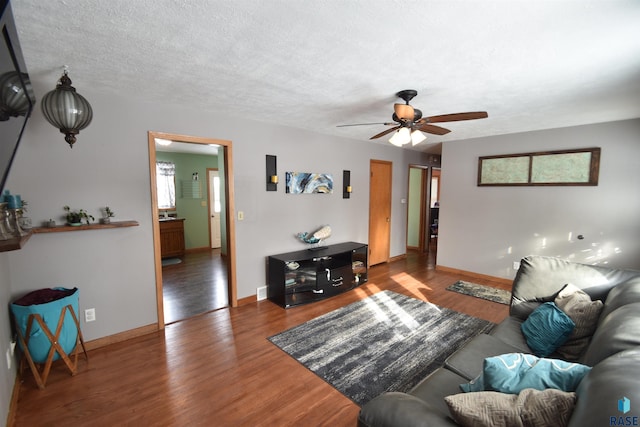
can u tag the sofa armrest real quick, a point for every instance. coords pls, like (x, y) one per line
(401, 409)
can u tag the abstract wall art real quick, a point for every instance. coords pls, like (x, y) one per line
(308, 183)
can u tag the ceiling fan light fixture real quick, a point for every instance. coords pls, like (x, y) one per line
(403, 111)
(417, 137)
(401, 137)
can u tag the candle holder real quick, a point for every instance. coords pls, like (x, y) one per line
(6, 232)
(15, 215)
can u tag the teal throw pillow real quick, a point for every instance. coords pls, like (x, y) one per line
(476, 384)
(546, 329)
(514, 372)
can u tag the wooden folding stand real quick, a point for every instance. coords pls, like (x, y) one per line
(41, 378)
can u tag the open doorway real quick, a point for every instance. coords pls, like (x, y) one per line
(227, 247)
(423, 203)
(434, 208)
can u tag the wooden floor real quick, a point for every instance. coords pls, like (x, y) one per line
(219, 368)
(197, 285)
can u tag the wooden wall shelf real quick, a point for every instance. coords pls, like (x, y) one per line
(13, 244)
(65, 228)
(19, 242)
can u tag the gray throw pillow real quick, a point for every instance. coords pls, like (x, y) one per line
(585, 313)
(530, 408)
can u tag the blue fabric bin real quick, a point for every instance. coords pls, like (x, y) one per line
(48, 303)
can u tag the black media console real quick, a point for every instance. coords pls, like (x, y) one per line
(310, 275)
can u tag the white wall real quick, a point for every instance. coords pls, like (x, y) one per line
(109, 165)
(114, 268)
(486, 229)
(6, 375)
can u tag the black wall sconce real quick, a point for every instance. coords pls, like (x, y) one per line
(272, 173)
(346, 184)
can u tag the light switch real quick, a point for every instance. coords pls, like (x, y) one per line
(240, 215)
(203, 203)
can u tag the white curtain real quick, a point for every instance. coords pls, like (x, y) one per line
(166, 181)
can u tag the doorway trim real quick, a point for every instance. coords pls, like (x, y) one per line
(423, 217)
(229, 209)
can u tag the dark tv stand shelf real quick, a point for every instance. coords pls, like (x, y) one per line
(306, 276)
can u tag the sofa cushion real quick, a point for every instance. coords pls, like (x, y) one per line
(618, 331)
(546, 329)
(467, 361)
(625, 293)
(530, 408)
(585, 313)
(609, 381)
(433, 389)
(510, 331)
(401, 409)
(513, 372)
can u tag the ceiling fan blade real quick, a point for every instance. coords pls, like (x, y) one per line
(458, 116)
(436, 130)
(383, 133)
(403, 111)
(367, 124)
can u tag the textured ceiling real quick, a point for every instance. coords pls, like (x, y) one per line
(317, 64)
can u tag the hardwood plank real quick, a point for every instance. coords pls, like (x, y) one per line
(197, 285)
(219, 369)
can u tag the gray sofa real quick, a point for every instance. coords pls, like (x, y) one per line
(613, 350)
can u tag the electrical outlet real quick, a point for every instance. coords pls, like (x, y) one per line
(262, 293)
(516, 265)
(240, 215)
(90, 315)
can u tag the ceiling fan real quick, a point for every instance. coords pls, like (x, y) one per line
(408, 123)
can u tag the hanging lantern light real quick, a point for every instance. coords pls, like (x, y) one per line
(14, 100)
(66, 109)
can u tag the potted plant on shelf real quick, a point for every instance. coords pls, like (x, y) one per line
(108, 214)
(75, 217)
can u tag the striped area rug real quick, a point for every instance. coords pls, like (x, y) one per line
(386, 342)
(481, 291)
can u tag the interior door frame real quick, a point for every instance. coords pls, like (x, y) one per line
(229, 209)
(425, 197)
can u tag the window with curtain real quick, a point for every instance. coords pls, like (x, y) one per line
(166, 181)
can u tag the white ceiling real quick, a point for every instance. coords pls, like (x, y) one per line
(317, 64)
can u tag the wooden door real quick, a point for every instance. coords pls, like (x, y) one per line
(379, 211)
(213, 179)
